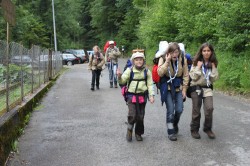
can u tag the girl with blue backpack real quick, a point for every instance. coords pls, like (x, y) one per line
(173, 70)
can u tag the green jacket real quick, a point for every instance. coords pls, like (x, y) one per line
(142, 86)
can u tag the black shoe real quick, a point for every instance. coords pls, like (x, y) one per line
(210, 134)
(176, 129)
(172, 137)
(92, 88)
(129, 135)
(195, 134)
(138, 137)
(97, 87)
(111, 84)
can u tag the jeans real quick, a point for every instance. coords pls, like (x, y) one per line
(174, 111)
(112, 71)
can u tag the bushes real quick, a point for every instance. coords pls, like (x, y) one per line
(234, 72)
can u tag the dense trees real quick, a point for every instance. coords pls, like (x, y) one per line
(140, 23)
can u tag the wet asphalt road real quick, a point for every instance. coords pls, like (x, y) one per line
(74, 126)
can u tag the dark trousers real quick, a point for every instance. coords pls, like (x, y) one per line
(96, 77)
(196, 113)
(136, 116)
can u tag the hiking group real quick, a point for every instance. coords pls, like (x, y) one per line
(174, 73)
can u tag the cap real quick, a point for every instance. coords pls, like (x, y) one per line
(137, 55)
(111, 42)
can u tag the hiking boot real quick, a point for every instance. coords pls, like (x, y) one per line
(116, 85)
(138, 137)
(210, 134)
(111, 84)
(172, 137)
(129, 135)
(176, 129)
(195, 134)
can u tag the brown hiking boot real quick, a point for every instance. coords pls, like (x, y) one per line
(210, 134)
(129, 135)
(138, 137)
(195, 134)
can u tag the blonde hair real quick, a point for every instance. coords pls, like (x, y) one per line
(96, 48)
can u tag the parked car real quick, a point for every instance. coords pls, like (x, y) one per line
(21, 60)
(90, 53)
(70, 59)
(79, 53)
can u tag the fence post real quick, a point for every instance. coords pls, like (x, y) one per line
(50, 65)
(8, 70)
(32, 71)
(22, 80)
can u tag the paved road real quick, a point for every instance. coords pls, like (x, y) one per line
(76, 127)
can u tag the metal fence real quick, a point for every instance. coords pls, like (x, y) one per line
(23, 70)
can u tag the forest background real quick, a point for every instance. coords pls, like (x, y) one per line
(143, 24)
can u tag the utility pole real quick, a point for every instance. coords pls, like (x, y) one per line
(54, 25)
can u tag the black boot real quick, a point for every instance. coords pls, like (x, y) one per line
(176, 128)
(116, 85)
(111, 84)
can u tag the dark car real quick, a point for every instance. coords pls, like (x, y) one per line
(79, 53)
(70, 59)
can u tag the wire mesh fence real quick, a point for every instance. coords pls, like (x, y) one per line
(23, 70)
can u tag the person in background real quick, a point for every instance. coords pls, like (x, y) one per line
(111, 59)
(187, 55)
(96, 61)
(140, 88)
(173, 70)
(203, 73)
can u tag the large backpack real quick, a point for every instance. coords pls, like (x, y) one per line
(124, 88)
(155, 76)
(128, 64)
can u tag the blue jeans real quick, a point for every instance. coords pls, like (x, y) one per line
(112, 71)
(174, 111)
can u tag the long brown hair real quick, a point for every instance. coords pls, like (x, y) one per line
(199, 56)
